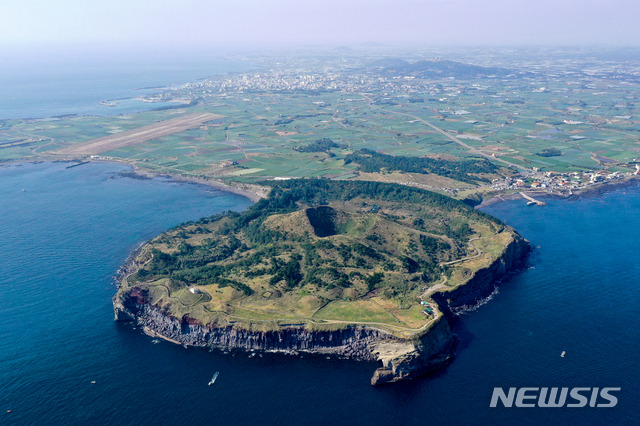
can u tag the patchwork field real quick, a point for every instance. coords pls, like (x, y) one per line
(532, 124)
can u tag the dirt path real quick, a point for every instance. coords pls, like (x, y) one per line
(443, 284)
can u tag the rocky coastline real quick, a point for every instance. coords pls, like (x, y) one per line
(401, 359)
(594, 190)
(251, 191)
(484, 281)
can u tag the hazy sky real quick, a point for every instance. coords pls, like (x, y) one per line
(336, 22)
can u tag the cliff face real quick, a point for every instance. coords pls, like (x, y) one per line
(433, 351)
(436, 348)
(353, 342)
(483, 282)
(401, 359)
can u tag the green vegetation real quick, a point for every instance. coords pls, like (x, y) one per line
(318, 251)
(275, 125)
(321, 145)
(464, 171)
(550, 152)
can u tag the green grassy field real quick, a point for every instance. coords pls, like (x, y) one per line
(512, 119)
(341, 253)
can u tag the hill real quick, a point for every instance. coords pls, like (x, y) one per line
(433, 68)
(315, 251)
(361, 269)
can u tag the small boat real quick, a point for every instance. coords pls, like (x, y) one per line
(213, 379)
(563, 354)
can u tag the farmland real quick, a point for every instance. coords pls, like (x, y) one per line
(576, 116)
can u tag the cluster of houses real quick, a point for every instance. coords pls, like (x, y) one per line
(556, 180)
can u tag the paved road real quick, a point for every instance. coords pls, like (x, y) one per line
(453, 138)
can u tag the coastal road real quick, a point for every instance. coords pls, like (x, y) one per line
(443, 284)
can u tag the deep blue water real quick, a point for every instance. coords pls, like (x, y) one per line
(62, 239)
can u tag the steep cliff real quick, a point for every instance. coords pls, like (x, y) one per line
(330, 267)
(484, 281)
(401, 359)
(432, 351)
(353, 342)
(436, 348)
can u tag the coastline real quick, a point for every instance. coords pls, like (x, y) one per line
(393, 371)
(591, 191)
(253, 192)
(256, 192)
(401, 358)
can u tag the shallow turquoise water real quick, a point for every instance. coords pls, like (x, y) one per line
(64, 236)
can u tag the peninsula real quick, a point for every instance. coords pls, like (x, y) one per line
(365, 270)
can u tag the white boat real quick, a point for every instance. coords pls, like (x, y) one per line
(563, 354)
(213, 379)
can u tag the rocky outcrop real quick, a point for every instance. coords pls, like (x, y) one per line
(402, 359)
(354, 342)
(484, 281)
(433, 351)
(437, 347)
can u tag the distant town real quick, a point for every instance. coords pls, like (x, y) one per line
(561, 124)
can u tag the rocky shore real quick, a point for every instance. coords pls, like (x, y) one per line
(593, 190)
(401, 359)
(484, 281)
(253, 192)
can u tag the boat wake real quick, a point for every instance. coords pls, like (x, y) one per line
(213, 379)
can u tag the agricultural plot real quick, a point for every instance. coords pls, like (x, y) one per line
(588, 121)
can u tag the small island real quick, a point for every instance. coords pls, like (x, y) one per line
(366, 270)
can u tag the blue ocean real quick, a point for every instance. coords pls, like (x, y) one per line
(64, 233)
(46, 83)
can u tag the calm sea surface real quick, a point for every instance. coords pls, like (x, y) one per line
(64, 236)
(47, 84)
